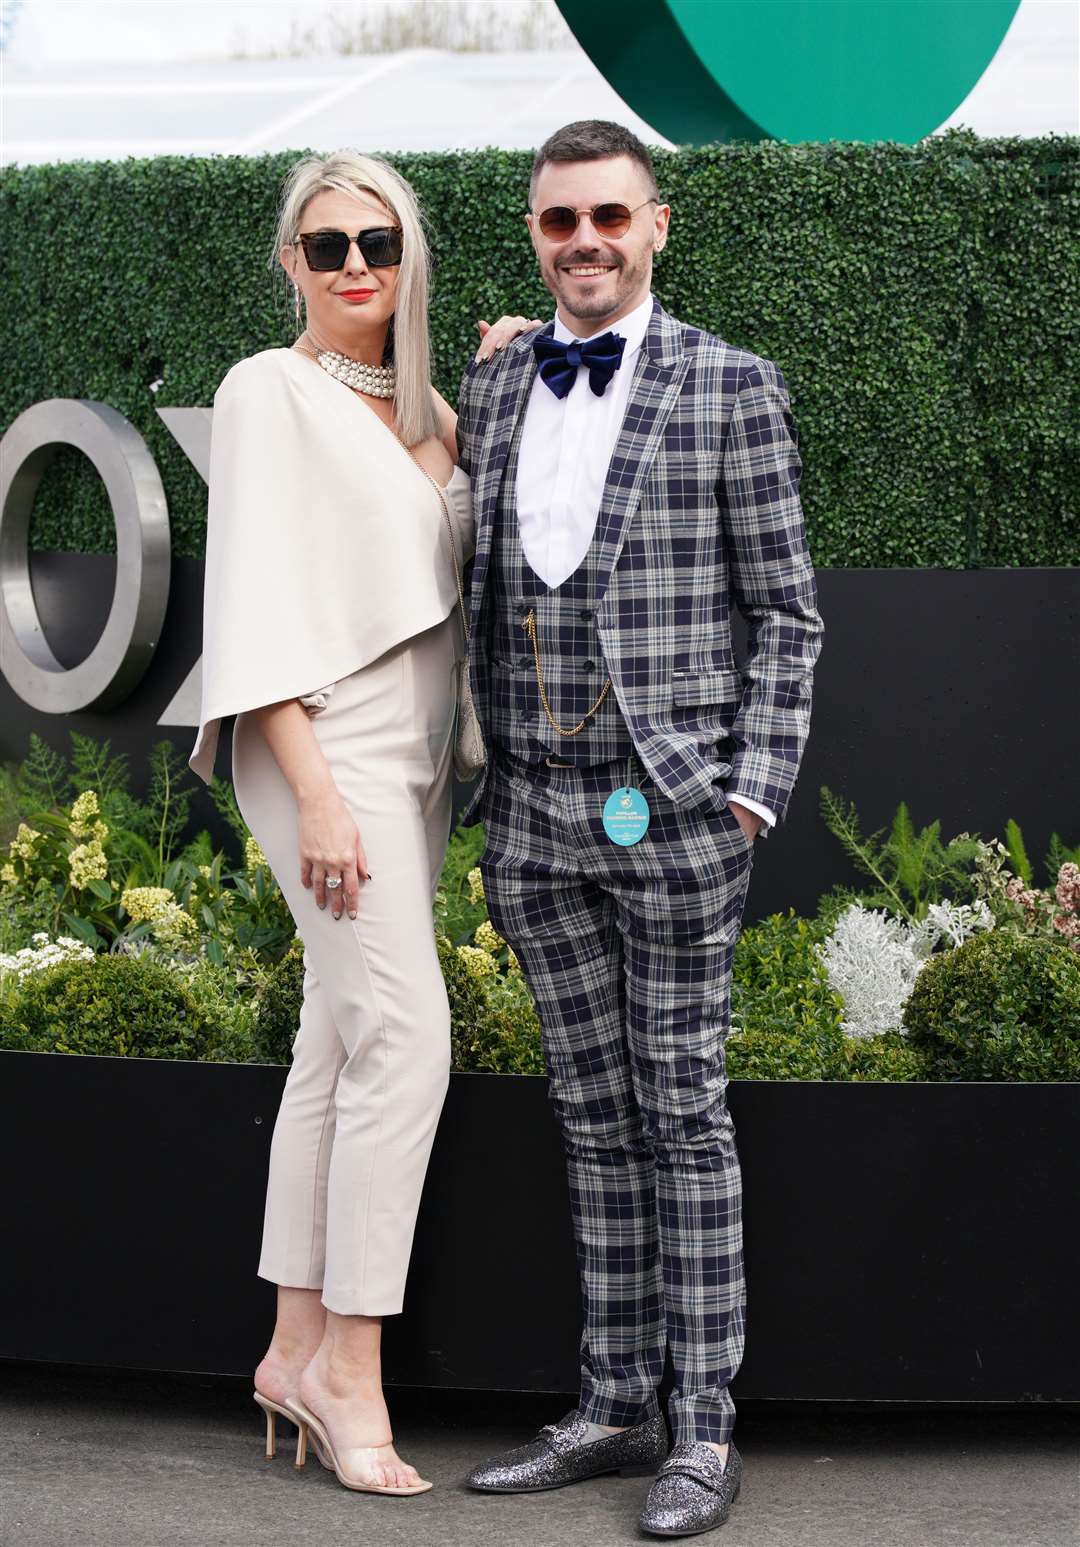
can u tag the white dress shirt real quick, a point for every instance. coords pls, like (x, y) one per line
(566, 449)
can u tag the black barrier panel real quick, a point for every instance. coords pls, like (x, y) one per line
(956, 691)
(903, 1242)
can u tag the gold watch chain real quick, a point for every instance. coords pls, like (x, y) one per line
(529, 625)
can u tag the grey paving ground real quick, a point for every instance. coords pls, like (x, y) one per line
(136, 1461)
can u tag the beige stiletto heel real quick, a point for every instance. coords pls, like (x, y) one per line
(307, 1422)
(273, 1410)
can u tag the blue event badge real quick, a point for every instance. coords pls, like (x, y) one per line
(626, 816)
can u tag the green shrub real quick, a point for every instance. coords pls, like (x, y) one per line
(917, 298)
(999, 1007)
(890, 1057)
(227, 999)
(459, 908)
(278, 1017)
(493, 1022)
(119, 1006)
(785, 1022)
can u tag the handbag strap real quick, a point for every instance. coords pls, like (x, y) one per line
(441, 492)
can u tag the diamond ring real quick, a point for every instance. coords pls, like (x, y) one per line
(332, 883)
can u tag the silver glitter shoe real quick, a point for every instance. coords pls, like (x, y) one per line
(693, 1492)
(562, 1453)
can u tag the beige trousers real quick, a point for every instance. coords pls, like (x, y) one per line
(371, 1057)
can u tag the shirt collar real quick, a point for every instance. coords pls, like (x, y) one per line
(632, 327)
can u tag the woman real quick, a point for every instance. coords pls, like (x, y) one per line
(332, 631)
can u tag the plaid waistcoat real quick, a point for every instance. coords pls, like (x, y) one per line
(571, 654)
(700, 513)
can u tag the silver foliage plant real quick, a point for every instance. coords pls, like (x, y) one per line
(872, 959)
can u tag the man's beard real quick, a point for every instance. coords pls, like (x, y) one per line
(588, 307)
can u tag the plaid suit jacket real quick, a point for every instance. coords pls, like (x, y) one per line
(701, 508)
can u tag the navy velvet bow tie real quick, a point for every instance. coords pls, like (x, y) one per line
(559, 362)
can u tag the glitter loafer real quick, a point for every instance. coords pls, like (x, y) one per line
(693, 1492)
(562, 1453)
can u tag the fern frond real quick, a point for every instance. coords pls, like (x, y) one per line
(43, 776)
(199, 850)
(1018, 855)
(95, 767)
(1059, 854)
(168, 801)
(842, 820)
(224, 797)
(902, 833)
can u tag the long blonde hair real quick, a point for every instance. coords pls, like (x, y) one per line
(347, 171)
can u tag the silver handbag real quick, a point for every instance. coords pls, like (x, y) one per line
(470, 754)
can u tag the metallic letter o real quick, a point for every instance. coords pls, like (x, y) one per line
(124, 651)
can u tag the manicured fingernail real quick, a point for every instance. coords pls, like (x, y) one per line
(352, 915)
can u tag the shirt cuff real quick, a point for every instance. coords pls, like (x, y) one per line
(767, 816)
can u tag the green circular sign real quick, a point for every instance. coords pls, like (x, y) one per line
(705, 70)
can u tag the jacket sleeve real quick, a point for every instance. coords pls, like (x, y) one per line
(773, 585)
(466, 449)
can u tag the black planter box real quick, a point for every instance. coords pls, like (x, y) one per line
(904, 1242)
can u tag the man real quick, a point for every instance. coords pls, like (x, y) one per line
(632, 477)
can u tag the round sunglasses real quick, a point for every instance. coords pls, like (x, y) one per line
(380, 248)
(560, 221)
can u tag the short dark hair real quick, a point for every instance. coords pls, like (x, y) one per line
(592, 139)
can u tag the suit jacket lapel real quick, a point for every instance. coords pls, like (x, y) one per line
(660, 372)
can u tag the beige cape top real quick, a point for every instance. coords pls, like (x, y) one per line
(326, 544)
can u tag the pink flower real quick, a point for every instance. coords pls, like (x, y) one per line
(1016, 891)
(1067, 890)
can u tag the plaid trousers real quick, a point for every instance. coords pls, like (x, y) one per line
(628, 954)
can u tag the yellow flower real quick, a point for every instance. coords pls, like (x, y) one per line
(22, 845)
(146, 903)
(488, 938)
(87, 862)
(480, 964)
(84, 821)
(204, 870)
(254, 858)
(173, 925)
(8, 876)
(476, 885)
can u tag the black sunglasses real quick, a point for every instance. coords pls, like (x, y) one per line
(380, 248)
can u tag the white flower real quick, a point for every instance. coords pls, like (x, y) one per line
(42, 954)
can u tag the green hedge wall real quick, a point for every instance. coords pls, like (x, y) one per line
(922, 302)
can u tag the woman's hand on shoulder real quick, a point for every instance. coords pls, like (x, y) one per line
(496, 335)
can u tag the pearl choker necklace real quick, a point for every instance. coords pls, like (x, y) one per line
(375, 380)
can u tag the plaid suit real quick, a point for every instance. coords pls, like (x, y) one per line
(628, 952)
(701, 507)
